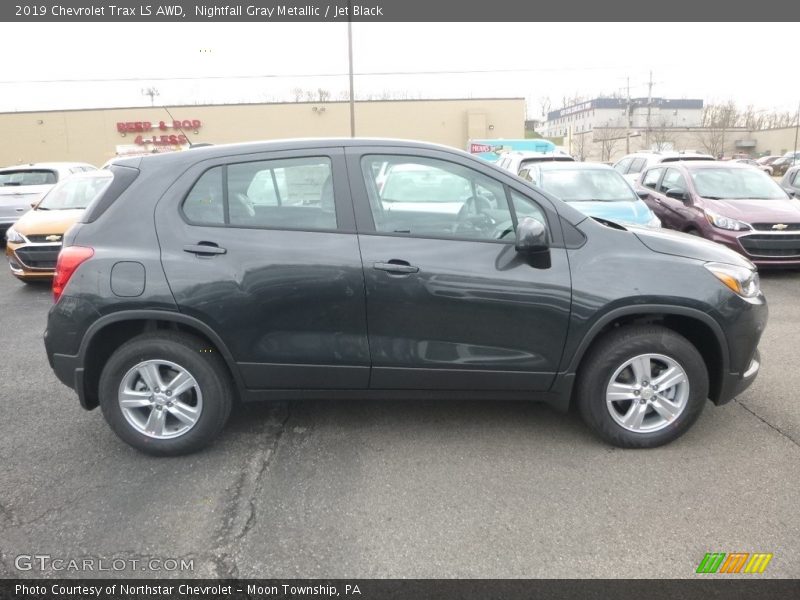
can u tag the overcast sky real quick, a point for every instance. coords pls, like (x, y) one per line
(748, 63)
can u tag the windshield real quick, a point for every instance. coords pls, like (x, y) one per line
(28, 177)
(736, 184)
(587, 185)
(76, 192)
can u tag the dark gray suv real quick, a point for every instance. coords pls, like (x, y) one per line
(384, 269)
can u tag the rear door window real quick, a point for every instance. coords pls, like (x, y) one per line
(622, 166)
(292, 193)
(637, 165)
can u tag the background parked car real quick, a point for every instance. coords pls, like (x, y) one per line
(753, 163)
(766, 162)
(791, 181)
(515, 161)
(785, 162)
(24, 185)
(33, 242)
(594, 189)
(735, 205)
(632, 165)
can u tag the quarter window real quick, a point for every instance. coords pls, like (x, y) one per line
(622, 166)
(435, 198)
(278, 194)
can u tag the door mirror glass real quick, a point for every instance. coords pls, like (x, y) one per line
(531, 236)
(642, 194)
(677, 194)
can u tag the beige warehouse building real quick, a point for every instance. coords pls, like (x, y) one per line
(95, 136)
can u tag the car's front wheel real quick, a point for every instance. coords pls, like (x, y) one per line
(642, 386)
(165, 393)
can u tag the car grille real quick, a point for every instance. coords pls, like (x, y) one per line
(38, 257)
(770, 245)
(768, 226)
(41, 238)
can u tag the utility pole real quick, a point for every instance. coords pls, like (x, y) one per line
(796, 129)
(152, 92)
(649, 103)
(350, 61)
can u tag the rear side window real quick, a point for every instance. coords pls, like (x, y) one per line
(123, 178)
(651, 178)
(637, 165)
(275, 194)
(28, 177)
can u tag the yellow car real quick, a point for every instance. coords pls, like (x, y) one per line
(34, 241)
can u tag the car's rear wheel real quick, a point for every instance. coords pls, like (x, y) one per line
(166, 393)
(642, 386)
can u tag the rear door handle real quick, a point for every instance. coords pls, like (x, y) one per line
(400, 267)
(204, 249)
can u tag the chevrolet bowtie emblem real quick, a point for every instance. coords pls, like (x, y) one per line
(780, 226)
(55, 238)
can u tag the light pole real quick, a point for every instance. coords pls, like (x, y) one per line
(350, 73)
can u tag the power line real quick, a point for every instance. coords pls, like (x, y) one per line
(307, 75)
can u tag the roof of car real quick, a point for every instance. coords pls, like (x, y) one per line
(46, 165)
(712, 164)
(219, 150)
(571, 166)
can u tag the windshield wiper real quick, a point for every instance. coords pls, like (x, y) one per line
(42, 208)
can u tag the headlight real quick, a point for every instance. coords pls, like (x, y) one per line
(741, 280)
(14, 237)
(654, 222)
(725, 222)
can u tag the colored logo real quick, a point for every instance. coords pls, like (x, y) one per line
(735, 562)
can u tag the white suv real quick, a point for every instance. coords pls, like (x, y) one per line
(632, 165)
(514, 161)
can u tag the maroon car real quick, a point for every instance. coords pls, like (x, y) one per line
(733, 204)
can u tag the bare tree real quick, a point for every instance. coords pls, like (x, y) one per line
(545, 104)
(712, 141)
(609, 138)
(297, 93)
(662, 137)
(323, 94)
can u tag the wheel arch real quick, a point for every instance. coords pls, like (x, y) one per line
(108, 333)
(695, 325)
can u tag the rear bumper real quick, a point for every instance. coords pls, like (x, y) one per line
(69, 372)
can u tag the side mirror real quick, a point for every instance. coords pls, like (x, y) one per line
(532, 236)
(642, 193)
(677, 194)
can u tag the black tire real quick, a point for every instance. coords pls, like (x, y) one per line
(610, 353)
(193, 355)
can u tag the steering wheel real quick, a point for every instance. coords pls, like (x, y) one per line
(473, 216)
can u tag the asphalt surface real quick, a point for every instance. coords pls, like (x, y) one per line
(397, 489)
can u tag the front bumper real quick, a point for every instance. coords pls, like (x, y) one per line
(32, 261)
(734, 384)
(763, 248)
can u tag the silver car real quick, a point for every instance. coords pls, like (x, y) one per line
(22, 186)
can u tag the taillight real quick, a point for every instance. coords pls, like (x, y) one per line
(69, 259)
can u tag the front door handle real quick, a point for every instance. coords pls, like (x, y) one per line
(204, 249)
(399, 267)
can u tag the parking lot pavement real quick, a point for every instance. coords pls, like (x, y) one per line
(407, 489)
